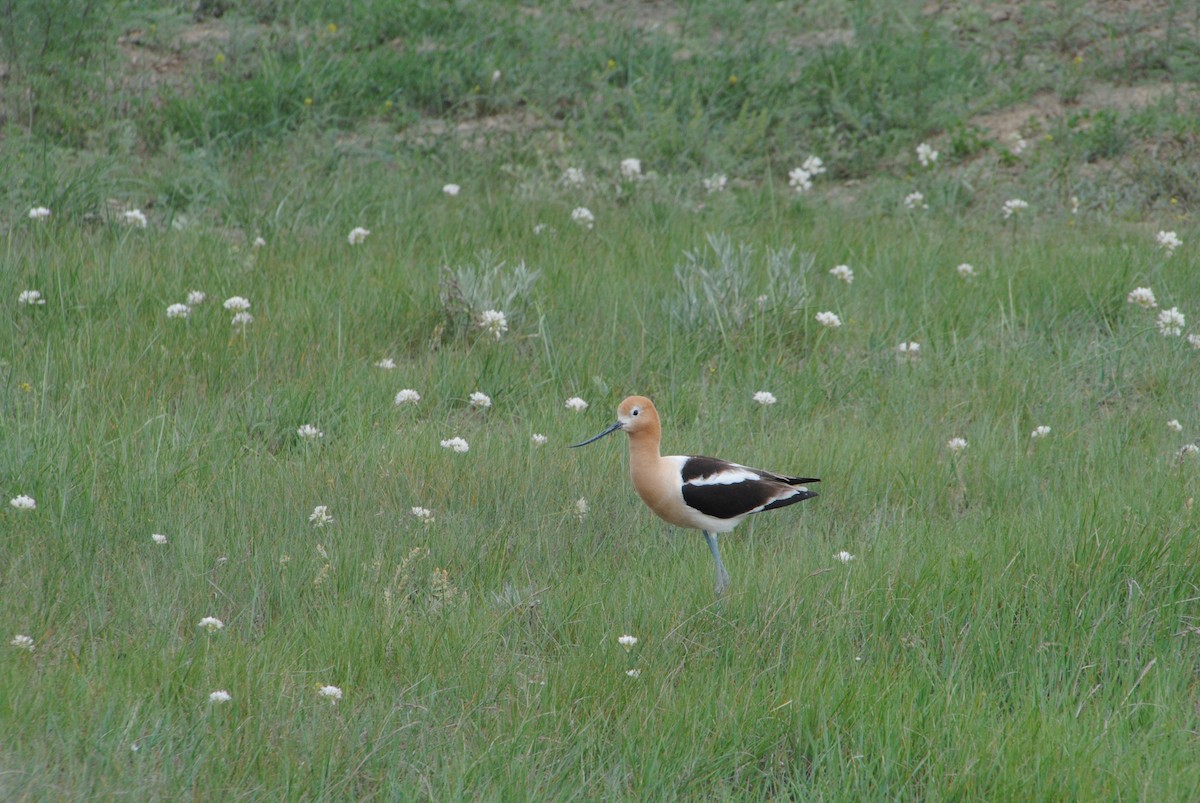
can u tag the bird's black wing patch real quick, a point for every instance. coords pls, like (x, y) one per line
(799, 496)
(731, 501)
(697, 467)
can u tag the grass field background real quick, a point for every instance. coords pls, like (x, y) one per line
(1020, 619)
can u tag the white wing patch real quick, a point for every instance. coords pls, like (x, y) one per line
(729, 476)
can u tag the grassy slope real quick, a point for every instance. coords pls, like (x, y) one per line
(1015, 623)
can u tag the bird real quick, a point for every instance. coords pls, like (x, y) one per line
(701, 493)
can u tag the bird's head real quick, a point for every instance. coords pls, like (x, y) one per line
(635, 414)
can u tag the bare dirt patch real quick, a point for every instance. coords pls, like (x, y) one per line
(478, 132)
(203, 33)
(661, 16)
(149, 64)
(815, 40)
(1037, 113)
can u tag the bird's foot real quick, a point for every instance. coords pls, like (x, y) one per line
(722, 582)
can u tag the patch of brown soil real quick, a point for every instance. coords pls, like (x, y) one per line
(1036, 114)
(149, 65)
(203, 33)
(647, 15)
(476, 133)
(815, 40)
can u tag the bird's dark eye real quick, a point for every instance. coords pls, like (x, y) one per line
(636, 411)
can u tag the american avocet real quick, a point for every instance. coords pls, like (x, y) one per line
(702, 493)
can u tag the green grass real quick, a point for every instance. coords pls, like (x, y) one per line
(1018, 621)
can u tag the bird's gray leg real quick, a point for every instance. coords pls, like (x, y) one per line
(722, 575)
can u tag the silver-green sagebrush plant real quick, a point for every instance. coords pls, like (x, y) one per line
(722, 287)
(485, 294)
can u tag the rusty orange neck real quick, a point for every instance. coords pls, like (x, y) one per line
(644, 444)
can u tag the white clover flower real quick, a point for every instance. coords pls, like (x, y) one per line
(1019, 144)
(320, 516)
(30, 297)
(538, 228)
(1187, 450)
(583, 216)
(1143, 297)
(220, 696)
(572, 177)
(22, 642)
(39, 213)
(829, 319)
(634, 673)
(242, 319)
(423, 513)
(799, 179)
(494, 322)
(1194, 341)
(1168, 241)
(452, 189)
(1171, 322)
(407, 396)
(456, 444)
(910, 349)
(966, 271)
(309, 433)
(1014, 206)
(178, 311)
(158, 538)
(843, 273)
(479, 400)
(211, 623)
(1039, 432)
(926, 155)
(134, 217)
(764, 397)
(631, 169)
(915, 200)
(813, 166)
(843, 557)
(259, 242)
(539, 439)
(577, 404)
(195, 297)
(715, 183)
(23, 502)
(581, 507)
(357, 235)
(1174, 425)
(627, 642)
(236, 304)
(387, 364)
(331, 693)
(956, 445)
(496, 75)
